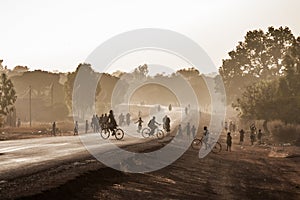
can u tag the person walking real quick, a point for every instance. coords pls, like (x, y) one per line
(193, 130)
(86, 126)
(76, 128)
(259, 136)
(228, 142)
(242, 134)
(54, 129)
(205, 136)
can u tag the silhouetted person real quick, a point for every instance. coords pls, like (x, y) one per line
(76, 128)
(188, 130)
(252, 134)
(140, 124)
(128, 119)
(105, 120)
(205, 136)
(228, 142)
(152, 125)
(112, 124)
(166, 123)
(226, 126)
(179, 131)
(170, 107)
(94, 123)
(186, 110)
(54, 129)
(121, 119)
(259, 136)
(234, 127)
(101, 121)
(97, 123)
(86, 126)
(19, 122)
(193, 130)
(242, 134)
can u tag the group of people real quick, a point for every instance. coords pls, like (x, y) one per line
(253, 135)
(152, 124)
(231, 127)
(189, 130)
(122, 121)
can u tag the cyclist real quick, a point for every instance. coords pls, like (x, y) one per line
(112, 124)
(152, 125)
(205, 136)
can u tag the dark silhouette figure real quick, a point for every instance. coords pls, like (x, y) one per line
(193, 130)
(152, 125)
(86, 126)
(226, 126)
(105, 120)
(205, 136)
(252, 134)
(166, 123)
(76, 128)
(121, 119)
(19, 122)
(186, 110)
(259, 136)
(234, 127)
(179, 131)
(54, 129)
(140, 124)
(170, 107)
(188, 130)
(112, 124)
(128, 119)
(94, 123)
(97, 123)
(228, 142)
(242, 134)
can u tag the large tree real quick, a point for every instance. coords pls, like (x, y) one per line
(258, 57)
(82, 99)
(275, 99)
(7, 95)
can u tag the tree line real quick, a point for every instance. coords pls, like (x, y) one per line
(261, 76)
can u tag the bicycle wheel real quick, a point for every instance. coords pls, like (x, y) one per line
(146, 132)
(119, 134)
(105, 133)
(196, 144)
(217, 148)
(160, 134)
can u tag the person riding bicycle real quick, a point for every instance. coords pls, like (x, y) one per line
(112, 124)
(152, 125)
(205, 136)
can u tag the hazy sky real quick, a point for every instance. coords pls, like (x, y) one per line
(59, 34)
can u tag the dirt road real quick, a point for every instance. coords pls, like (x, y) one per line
(248, 172)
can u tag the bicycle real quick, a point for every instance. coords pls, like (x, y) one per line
(197, 143)
(159, 133)
(105, 132)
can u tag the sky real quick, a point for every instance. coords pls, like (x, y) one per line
(57, 35)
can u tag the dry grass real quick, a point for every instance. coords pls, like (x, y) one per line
(283, 133)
